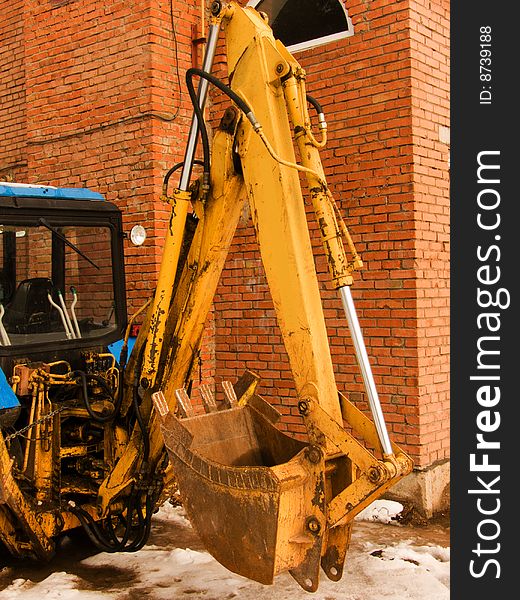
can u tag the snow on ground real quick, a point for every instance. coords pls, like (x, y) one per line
(398, 569)
(381, 511)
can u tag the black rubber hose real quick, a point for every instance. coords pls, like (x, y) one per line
(143, 530)
(102, 541)
(220, 85)
(176, 167)
(102, 382)
(145, 533)
(317, 106)
(93, 533)
(122, 544)
(190, 73)
(96, 416)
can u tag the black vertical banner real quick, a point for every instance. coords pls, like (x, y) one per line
(485, 339)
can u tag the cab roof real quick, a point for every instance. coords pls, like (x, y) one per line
(26, 190)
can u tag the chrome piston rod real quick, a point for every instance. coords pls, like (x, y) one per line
(189, 155)
(366, 371)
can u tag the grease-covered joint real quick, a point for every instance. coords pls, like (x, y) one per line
(215, 8)
(229, 119)
(313, 454)
(378, 474)
(177, 195)
(303, 407)
(225, 13)
(298, 131)
(356, 264)
(299, 73)
(194, 189)
(313, 525)
(205, 185)
(398, 464)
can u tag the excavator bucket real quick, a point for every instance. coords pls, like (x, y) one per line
(259, 499)
(248, 488)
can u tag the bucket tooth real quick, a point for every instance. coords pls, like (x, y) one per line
(208, 399)
(184, 403)
(229, 394)
(245, 387)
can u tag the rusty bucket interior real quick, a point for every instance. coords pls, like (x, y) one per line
(254, 495)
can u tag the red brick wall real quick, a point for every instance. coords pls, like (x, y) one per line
(12, 90)
(429, 30)
(103, 109)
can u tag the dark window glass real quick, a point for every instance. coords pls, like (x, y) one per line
(38, 267)
(297, 21)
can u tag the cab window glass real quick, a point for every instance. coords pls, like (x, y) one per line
(55, 283)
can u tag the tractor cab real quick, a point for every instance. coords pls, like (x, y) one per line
(61, 272)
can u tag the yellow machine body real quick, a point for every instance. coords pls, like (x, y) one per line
(262, 501)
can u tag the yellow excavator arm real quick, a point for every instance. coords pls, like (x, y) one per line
(261, 501)
(94, 441)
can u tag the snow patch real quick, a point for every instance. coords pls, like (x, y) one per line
(432, 561)
(382, 511)
(174, 514)
(403, 570)
(58, 586)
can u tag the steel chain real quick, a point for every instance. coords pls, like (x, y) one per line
(37, 422)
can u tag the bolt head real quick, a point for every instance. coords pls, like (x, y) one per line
(313, 454)
(303, 407)
(374, 474)
(313, 525)
(215, 8)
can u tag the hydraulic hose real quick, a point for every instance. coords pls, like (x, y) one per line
(219, 84)
(190, 73)
(315, 104)
(322, 123)
(100, 381)
(244, 107)
(93, 532)
(104, 536)
(176, 167)
(107, 541)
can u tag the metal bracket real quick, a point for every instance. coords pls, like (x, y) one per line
(375, 475)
